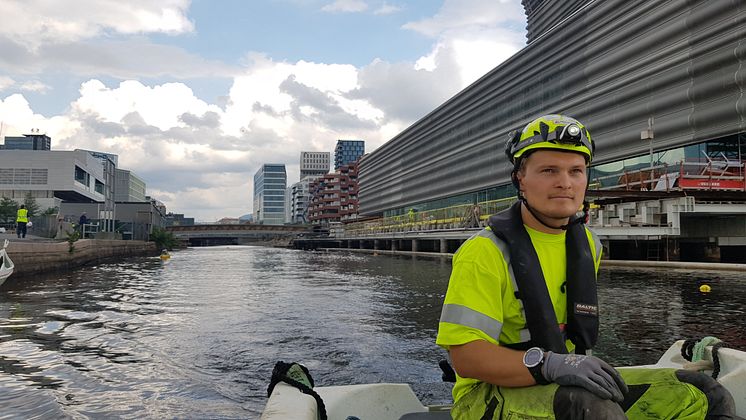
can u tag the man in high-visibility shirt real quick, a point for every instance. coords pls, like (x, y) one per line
(521, 311)
(21, 221)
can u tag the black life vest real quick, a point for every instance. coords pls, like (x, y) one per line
(582, 297)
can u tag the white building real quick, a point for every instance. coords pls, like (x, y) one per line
(52, 176)
(314, 163)
(297, 199)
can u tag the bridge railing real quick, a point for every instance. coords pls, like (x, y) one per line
(462, 216)
(215, 227)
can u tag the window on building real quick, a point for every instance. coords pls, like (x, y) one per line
(81, 175)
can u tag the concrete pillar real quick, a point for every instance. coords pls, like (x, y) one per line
(376, 244)
(443, 246)
(415, 244)
(394, 244)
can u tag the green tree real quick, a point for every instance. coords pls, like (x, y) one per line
(163, 239)
(50, 211)
(72, 237)
(8, 209)
(31, 205)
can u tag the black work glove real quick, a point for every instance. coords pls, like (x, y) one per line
(587, 372)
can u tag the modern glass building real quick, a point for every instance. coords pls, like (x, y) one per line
(660, 85)
(270, 182)
(670, 69)
(28, 142)
(347, 151)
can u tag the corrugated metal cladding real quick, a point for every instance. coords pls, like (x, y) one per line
(542, 15)
(613, 65)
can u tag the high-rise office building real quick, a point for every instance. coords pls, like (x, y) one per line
(314, 163)
(270, 182)
(347, 151)
(34, 141)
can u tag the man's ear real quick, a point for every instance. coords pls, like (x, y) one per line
(516, 181)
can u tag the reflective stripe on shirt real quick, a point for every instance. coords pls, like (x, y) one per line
(467, 317)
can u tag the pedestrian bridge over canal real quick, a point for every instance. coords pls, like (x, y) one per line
(219, 234)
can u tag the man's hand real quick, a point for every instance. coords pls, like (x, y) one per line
(587, 372)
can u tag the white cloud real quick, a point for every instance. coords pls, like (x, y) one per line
(199, 156)
(459, 14)
(387, 9)
(158, 106)
(18, 117)
(6, 82)
(346, 6)
(474, 34)
(38, 22)
(35, 86)
(112, 58)
(256, 96)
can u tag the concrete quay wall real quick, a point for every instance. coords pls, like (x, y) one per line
(41, 257)
(675, 265)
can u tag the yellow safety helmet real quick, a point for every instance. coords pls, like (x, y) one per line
(550, 132)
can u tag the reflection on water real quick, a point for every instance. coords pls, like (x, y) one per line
(197, 336)
(644, 310)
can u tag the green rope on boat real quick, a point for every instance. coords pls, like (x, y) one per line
(694, 351)
(698, 353)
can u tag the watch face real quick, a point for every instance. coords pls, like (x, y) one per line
(533, 357)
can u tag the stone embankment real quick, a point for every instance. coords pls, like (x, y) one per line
(678, 265)
(33, 257)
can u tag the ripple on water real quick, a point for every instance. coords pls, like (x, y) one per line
(198, 337)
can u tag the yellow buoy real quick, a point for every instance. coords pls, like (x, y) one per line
(705, 288)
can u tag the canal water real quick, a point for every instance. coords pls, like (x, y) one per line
(197, 336)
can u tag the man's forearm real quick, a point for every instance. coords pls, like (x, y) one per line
(491, 363)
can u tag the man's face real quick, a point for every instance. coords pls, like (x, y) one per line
(554, 182)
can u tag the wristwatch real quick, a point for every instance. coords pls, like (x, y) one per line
(533, 359)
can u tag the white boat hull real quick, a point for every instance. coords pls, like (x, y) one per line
(391, 401)
(6, 264)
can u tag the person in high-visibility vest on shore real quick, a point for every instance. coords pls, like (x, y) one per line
(521, 312)
(21, 221)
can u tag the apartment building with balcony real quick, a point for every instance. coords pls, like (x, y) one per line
(334, 197)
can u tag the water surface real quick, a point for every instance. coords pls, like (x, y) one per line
(197, 336)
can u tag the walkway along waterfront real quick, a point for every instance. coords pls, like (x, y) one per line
(668, 225)
(33, 257)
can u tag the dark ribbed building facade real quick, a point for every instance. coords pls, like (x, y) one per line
(677, 67)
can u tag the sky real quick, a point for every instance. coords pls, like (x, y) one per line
(194, 96)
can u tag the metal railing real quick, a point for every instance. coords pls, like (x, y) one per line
(462, 216)
(710, 175)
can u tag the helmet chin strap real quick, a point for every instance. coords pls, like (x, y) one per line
(571, 220)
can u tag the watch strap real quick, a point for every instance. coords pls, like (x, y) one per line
(538, 376)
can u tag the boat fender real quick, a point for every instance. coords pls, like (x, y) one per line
(296, 375)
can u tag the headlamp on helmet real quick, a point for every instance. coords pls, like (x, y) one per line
(550, 132)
